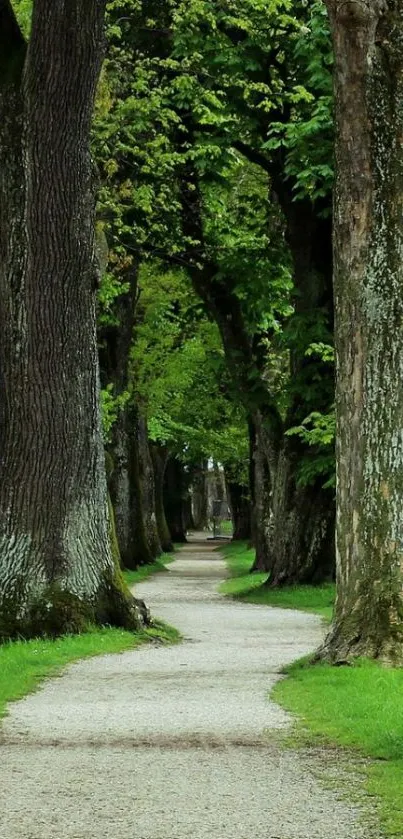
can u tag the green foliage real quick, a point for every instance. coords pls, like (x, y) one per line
(187, 401)
(111, 406)
(358, 707)
(212, 88)
(318, 429)
(23, 11)
(307, 134)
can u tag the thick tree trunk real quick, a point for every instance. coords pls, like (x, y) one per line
(199, 496)
(303, 517)
(368, 281)
(160, 456)
(120, 486)
(138, 548)
(57, 572)
(147, 484)
(310, 243)
(260, 483)
(240, 504)
(115, 341)
(302, 526)
(174, 494)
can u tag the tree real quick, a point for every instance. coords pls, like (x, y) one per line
(267, 98)
(210, 92)
(276, 113)
(191, 414)
(56, 567)
(368, 47)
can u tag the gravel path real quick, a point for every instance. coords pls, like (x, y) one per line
(172, 743)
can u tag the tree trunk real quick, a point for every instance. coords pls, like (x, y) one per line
(311, 250)
(147, 484)
(120, 486)
(240, 503)
(199, 496)
(159, 456)
(260, 482)
(188, 513)
(174, 494)
(57, 572)
(303, 516)
(138, 548)
(302, 527)
(368, 281)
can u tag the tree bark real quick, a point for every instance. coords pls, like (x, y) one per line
(57, 572)
(260, 483)
(199, 496)
(120, 484)
(114, 353)
(147, 484)
(311, 250)
(174, 494)
(303, 516)
(160, 456)
(240, 504)
(138, 551)
(368, 243)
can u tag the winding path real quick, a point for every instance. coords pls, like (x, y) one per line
(172, 743)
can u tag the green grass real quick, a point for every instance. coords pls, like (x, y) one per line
(225, 527)
(24, 664)
(251, 588)
(144, 571)
(359, 707)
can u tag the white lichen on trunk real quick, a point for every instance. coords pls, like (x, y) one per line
(368, 41)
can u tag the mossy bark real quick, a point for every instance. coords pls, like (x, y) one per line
(310, 243)
(57, 572)
(368, 246)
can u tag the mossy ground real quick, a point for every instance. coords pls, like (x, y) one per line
(250, 587)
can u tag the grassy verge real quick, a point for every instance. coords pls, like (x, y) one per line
(133, 577)
(358, 707)
(24, 664)
(251, 588)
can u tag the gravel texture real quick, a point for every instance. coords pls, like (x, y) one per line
(177, 742)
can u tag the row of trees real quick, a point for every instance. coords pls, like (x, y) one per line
(203, 288)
